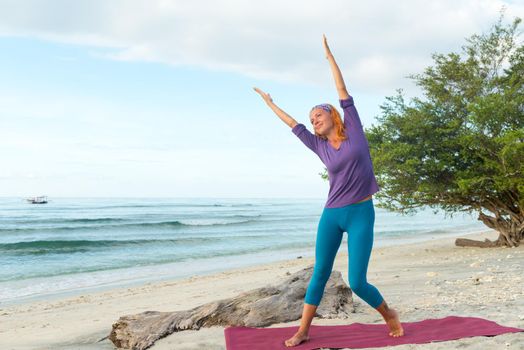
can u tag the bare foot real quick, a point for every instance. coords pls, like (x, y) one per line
(394, 324)
(296, 339)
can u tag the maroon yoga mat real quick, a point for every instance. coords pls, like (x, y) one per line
(362, 335)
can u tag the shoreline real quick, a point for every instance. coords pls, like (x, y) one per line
(127, 277)
(442, 280)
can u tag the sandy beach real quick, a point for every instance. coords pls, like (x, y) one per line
(430, 279)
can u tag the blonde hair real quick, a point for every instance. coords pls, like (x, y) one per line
(339, 125)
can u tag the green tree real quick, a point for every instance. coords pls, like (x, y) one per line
(460, 147)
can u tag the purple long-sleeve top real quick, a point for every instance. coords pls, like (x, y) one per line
(350, 169)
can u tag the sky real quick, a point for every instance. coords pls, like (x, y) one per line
(155, 98)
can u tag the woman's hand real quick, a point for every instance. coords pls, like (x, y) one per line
(286, 118)
(326, 47)
(264, 95)
(337, 75)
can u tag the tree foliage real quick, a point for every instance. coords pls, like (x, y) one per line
(460, 146)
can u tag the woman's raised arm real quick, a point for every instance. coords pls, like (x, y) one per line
(339, 81)
(286, 118)
(306, 136)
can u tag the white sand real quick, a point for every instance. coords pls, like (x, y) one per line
(420, 280)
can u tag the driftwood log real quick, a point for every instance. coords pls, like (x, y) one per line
(465, 242)
(255, 308)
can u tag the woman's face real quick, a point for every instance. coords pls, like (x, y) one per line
(321, 121)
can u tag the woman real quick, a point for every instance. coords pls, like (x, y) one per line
(343, 148)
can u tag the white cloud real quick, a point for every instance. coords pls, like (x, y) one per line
(66, 143)
(377, 43)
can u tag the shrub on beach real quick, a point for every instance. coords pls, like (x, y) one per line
(460, 148)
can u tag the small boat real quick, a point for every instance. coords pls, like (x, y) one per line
(38, 200)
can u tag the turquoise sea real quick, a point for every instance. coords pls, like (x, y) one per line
(71, 245)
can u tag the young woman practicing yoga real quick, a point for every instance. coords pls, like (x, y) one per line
(343, 148)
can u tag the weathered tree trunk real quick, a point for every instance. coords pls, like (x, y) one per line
(256, 308)
(464, 242)
(511, 231)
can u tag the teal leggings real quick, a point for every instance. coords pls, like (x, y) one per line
(357, 220)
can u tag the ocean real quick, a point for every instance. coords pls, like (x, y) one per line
(72, 245)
